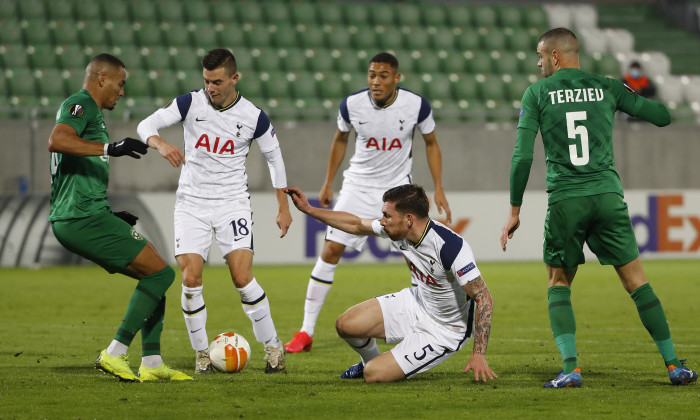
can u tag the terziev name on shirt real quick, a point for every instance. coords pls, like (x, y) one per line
(576, 95)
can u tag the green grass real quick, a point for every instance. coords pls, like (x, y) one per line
(56, 320)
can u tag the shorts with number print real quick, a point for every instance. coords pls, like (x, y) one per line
(232, 227)
(423, 343)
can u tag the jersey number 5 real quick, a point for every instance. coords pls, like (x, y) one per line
(573, 130)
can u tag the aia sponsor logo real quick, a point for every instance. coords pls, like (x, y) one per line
(216, 146)
(383, 144)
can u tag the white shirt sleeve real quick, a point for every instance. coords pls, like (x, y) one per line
(464, 266)
(427, 126)
(270, 148)
(162, 118)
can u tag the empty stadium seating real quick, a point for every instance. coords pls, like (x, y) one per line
(475, 61)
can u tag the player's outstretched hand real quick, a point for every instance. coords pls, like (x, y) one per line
(284, 219)
(441, 204)
(128, 147)
(299, 199)
(509, 227)
(478, 364)
(172, 153)
(127, 217)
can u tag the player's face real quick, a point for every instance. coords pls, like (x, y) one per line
(220, 86)
(395, 223)
(113, 87)
(546, 61)
(382, 81)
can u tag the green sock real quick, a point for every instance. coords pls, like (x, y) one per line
(561, 318)
(150, 334)
(654, 319)
(144, 301)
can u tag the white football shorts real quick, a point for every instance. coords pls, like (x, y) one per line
(233, 229)
(362, 202)
(423, 343)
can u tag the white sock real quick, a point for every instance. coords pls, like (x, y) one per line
(152, 361)
(116, 348)
(365, 347)
(257, 309)
(195, 313)
(319, 285)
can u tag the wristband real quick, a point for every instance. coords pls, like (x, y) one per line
(105, 149)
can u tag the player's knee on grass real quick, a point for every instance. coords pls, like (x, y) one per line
(383, 369)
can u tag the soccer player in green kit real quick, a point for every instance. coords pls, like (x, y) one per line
(574, 111)
(83, 222)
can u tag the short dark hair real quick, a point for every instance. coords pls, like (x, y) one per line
(635, 64)
(385, 57)
(408, 198)
(220, 57)
(560, 35)
(109, 59)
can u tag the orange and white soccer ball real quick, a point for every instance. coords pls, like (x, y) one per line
(229, 352)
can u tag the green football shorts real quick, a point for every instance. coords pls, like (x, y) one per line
(103, 239)
(601, 220)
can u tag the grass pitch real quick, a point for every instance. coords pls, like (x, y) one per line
(56, 320)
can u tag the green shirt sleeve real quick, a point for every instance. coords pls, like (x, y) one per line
(639, 106)
(520, 164)
(76, 112)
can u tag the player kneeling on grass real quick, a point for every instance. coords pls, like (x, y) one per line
(430, 322)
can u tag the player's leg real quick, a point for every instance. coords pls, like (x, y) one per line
(256, 306)
(565, 226)
(319, 285)
(614, 243)
(194, 310)
(360, 326)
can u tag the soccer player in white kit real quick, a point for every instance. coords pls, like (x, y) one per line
(431, 321)
(212, 196)
(384, 117)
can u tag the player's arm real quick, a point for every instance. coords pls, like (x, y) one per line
(641, 107)
(149, 128)
(64, 139)
(346, 222)
(476, 289)
(337, 154)
(520, 166)
(432, 152)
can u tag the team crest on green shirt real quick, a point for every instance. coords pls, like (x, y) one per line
(136, 235)
(76, 110)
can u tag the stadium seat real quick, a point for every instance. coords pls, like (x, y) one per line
(60, 9)
(382, 14)
(339, 37)
(619, 41)
(593, 40)
(354, 82)
(244, 59)
(459, 15)
(433, 14)
(258, 36)
(14, 56)
(485, 16)
(349, 61)
(8, 11)
(474, 111)
(282, 109)
(275, 84)
(231, 12)
(330, 14)
(439, 88)
(20, 82)
(138, 84)
(305, 13)
(303, 86)
(165, 84)
(586, 62)
(65, 32)
(428, 62)
(535, 17)
(505, 63)
(71, 56)
(323, 60)
(465, 88)
(407, 61)
(313, 37)
(294, 60)
(130, 55)
(491, 88)
(250, 86)
(229, 37)
(509, 16)
(356, 13)
(558, 15)
(519, 39)
(156, 58)
(36, 31)
(11, 33)
(454, 63)
(494, 39)
(121, 33)
(268, 59)
(32, 9)
(87, 10)
(364, 38)
(480, 62)
(331, 86)
(516, 87)
(609, 66)
(197, 11)
(92, 32)
(284, 36)
(42, 56)
(669, 89)
(443, 38)
(390, 38)
(276, 12)
(51, 83)
(417, 38)
(193, 80)
(448, 110)
(408, 15)
(175, 34)
(691, 91)
(142, 11)
(148, 35)
(468, 39)
(412, 82)
(584, 16)
(115, 10)
(170, 11)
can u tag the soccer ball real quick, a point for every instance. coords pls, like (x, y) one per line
(229, 352)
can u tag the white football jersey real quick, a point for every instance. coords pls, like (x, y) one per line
(441, 263)
(383, 146)
(217, 142)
